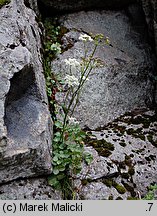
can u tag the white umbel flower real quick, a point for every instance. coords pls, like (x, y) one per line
(56, 47)
(73, 120)
(85, 78)
(85, 37)
(71, 80)
(72, 62)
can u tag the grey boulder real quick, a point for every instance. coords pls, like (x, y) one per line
(25, 123)
(124, 159)
(29, 189)
(123, 83)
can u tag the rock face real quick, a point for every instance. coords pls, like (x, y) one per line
(124, 158)
(73, 5)
(150, 10)
(30, 189)
(25, 124)
(124, 82)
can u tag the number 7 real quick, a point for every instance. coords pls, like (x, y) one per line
(151, 204)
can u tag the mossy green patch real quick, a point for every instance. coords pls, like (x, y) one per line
(130, 131)
(138, 151)
(85, 181)
(120, 128)
(103, 152)
(132, 198)
(121, 164)
(103, 147)
(129, 189)
(4, 2)
(131, 170)
(108, 182)
(151, 140)
(119, 198)
(112, 183)
(136, 133)
(110, 197)
(119, 188)
(141, 136)
(125, 175)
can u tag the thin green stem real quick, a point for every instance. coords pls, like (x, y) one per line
(82, 80)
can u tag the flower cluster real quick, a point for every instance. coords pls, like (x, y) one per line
(56, 47)
(71, 80)
(73, 120)
(72, 62)
(85, 37)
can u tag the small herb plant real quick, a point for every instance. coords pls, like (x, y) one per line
(151, 192)
(68, 146)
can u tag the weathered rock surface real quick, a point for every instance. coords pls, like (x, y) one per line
(30, 189)
(124, 82)
(25, 124)
(73, 5)
(150, 10)
(124, 158)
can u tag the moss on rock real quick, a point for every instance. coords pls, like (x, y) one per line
(112, 183)
(4, 2)
(103, 147)
(151, 140)
(119, 188)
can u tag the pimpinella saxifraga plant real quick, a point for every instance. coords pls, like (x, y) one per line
(68, 145)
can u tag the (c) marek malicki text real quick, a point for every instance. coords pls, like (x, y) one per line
(55, 207)
(67, 207)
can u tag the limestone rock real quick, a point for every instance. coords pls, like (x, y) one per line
(131, 162)
(73, 5)
(124, 82)
(150, 10)
(25, 124)
(98, 168)
(99, 191)
(30, 189)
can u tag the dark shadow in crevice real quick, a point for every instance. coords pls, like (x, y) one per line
(48, 11)
(19, 84)
(27, 4)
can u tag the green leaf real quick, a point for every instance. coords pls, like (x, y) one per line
(55, 158)
(58, 124)
(59, 162)
(62, 169)
(88, 158)
(57, 134)
(55, 171)
(61, 176)
(56, 139)
(52, 181)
